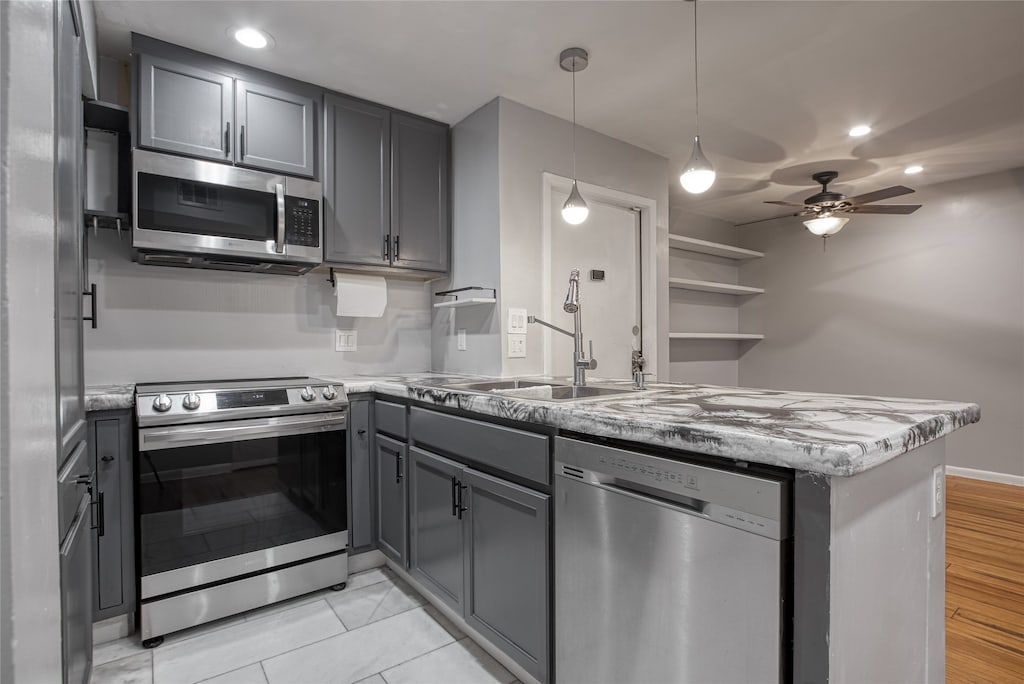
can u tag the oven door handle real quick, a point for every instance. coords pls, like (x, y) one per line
(152, 439)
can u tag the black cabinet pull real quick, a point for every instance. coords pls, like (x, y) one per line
(385, 252)
(227, 139)
(398, 469)
(241, 144)
(462, 509)
(107, 459)
(101, 524)
(396, 247)
(455, 497)
(91, 294)
(360, 432)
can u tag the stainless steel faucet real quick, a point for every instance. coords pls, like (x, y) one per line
(580, 363)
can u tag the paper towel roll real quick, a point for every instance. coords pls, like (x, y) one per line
(360, 295)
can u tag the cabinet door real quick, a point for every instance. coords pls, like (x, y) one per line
(419, 194)
(360, 520)
(76, 586)
(110, 440)
(392, 513)
(184, 109)
(69, 235)
(357, 182)
(436, 555)
(508, 568)
(275, 129)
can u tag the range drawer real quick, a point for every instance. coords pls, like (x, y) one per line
(389, 418)
(520, 453)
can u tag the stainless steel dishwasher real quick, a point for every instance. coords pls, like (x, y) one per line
(665, 571)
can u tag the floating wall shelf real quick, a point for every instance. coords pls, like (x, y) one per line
(459, 303)
(709, 286)
(714, 336)
(689, 244)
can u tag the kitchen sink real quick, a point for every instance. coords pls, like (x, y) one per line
(559, 391)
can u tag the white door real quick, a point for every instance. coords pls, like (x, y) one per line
(607, 241)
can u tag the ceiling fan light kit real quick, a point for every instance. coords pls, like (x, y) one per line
(825, 226)
(575, 209)
(698, 174)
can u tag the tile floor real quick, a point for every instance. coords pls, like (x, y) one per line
(377, 631)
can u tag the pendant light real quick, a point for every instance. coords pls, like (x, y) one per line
(698, 174)
(575, 210)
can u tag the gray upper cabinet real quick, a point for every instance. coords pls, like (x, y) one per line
(357, 182)
(507, 585)
(436, 542)
(184, 109)
(274, 129)
(392, 513)
(419, 194)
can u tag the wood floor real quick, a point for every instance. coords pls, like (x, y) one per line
(984, 582)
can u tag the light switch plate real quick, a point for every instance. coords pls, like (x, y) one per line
(461, 339)
(517, 346)
(345, 341)
(516, 321)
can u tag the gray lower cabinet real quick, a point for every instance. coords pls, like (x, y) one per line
(419, 194)
(481, 545)
(275, 129)
(184, 109)
(110, 448)
(360, 476)
(436, 532)
(392, 512)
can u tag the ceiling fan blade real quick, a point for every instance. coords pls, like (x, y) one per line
(884, 193)
(885, 209)
(785, 204)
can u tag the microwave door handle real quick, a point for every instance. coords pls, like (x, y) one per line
(279, 242)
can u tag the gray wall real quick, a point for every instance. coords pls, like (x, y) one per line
(532, 142)
(29, 559)
(475, 255)
(715, 362)
(158, 323)
(926, 305)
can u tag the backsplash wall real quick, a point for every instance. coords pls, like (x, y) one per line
(158, 323)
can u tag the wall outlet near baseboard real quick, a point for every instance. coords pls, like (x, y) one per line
(345, 340)
(517, 346)
(938, 490)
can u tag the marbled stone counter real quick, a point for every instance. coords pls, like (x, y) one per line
(109, 397)
(823, 433)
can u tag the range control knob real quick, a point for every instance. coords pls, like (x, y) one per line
(307, 393)
(162, 403)
(330, 393)
(191, 401)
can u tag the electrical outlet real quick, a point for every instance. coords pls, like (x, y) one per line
(461, 339)
(345, 340)
(938, 490)
(517, 346)
(516, 321)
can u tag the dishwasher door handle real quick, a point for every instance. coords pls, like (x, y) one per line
(691, 506)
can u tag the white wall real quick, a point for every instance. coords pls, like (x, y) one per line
(925, 305)
(475, 251)
(158, 323)
(530, 143)
(714, 362)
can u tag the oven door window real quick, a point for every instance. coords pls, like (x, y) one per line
(212, 501)
(187, 206)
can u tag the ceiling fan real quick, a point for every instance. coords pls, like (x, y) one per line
(823, 207)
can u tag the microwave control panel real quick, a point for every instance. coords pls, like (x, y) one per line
(301, 222)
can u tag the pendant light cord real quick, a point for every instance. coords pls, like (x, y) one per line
(696, 88)
(574, 119)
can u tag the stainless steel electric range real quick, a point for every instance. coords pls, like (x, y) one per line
(241, 497)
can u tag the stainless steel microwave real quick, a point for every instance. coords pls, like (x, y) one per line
(200, 214)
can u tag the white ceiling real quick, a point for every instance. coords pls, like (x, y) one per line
(942, 83)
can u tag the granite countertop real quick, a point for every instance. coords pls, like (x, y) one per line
(829, 434)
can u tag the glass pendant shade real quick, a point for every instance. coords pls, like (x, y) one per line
(698, 174)
(575, 210)
(826, 225)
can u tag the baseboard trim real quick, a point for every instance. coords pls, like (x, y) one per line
(987, 475)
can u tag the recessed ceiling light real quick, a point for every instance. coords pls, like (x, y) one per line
(858, 131)
(252, 38)
(916, 168)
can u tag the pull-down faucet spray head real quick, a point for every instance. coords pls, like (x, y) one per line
(572, 298)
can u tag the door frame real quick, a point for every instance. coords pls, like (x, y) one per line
(648, 211)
